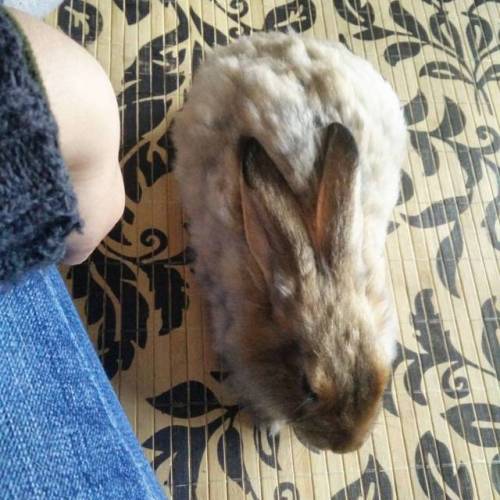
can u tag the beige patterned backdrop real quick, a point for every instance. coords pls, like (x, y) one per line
(438, 435)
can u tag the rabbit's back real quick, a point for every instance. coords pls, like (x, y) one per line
(282, 90)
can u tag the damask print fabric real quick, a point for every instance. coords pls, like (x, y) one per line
(439, 433)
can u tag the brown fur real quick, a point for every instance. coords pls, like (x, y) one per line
(309, 318)
(333, 212)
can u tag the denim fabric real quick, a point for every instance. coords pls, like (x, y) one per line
(63, 433)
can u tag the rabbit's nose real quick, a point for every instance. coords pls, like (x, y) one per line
(346, 442)
(346, 448)
(314, 442)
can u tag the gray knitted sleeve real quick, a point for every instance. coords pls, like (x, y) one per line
(37, 204)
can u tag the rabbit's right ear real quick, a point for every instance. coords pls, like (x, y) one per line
(274, 230)
(334, 224)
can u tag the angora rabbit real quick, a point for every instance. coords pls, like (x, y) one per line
(289, 152)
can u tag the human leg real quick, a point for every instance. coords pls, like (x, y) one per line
(85, 109)
(63, 433)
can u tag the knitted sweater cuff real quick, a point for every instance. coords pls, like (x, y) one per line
(38, 207)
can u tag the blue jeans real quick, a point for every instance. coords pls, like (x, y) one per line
(63, 433)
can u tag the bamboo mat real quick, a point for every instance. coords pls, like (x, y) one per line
(438, 435)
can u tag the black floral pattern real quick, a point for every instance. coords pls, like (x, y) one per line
(118, 308)
(438, 33)
(433, 454)
(136, 291)
(373, 479)
(472, 160)
(80, 20)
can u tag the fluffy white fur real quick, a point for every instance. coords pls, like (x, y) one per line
(282, 90)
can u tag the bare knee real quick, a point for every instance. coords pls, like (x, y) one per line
(83, 103)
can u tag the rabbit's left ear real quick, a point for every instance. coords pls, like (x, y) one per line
(336, 200)
(274, 228)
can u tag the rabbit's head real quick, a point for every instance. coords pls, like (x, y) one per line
(313, 356)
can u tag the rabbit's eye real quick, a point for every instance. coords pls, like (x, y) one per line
(310, 394)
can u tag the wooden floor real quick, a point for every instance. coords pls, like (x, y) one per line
(439, 433)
